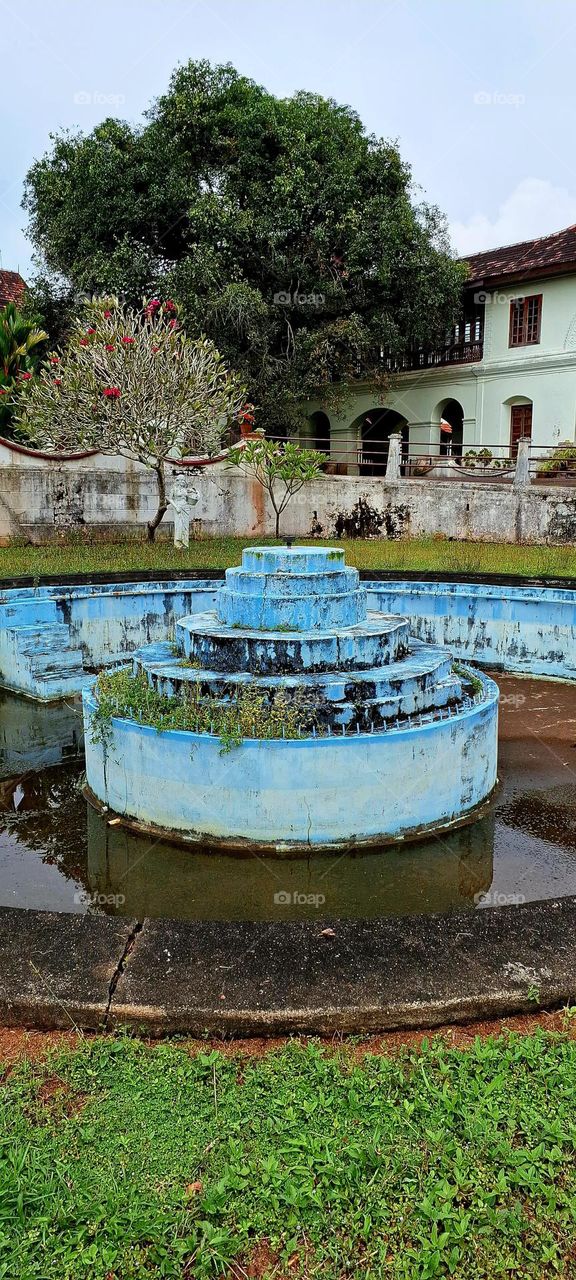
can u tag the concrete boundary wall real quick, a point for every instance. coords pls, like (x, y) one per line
(51, 502)
(525, 629)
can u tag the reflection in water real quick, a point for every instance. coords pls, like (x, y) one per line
(546, 815)
(162, 879)
(58, 853)
(35, 735)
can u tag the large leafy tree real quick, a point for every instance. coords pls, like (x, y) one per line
(290, 235)
(132, 384)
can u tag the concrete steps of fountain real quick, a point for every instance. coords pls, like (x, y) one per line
(421, 682)
(41, 657)
(378, 640)
(313, 612)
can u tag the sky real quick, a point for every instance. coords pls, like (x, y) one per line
(479, 96)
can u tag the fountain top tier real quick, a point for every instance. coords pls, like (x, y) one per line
(300, 588)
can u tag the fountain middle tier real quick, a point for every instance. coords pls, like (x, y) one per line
(362, 699)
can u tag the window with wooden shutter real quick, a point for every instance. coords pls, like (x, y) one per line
(525, 321)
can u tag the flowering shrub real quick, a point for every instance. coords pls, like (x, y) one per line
(132, 383)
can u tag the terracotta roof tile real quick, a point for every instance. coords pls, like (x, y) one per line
(548, 255)
(12, 287)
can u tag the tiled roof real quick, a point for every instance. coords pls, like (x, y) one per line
(549, 255)
(12, 287)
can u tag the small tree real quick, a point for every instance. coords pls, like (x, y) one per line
(20, 337)
(132, 384)
(282, 468)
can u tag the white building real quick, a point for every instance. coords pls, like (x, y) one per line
(508, 369)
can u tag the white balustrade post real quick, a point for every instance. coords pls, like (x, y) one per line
(522, 471)
(394, 461)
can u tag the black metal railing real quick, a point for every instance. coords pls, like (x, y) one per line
(435, 357)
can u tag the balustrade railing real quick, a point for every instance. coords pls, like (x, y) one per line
(494, 463)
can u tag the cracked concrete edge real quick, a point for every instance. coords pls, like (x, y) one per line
(159, 977)
(495, 963)
(59, 971)
(120, 966)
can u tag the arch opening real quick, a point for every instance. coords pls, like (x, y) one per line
(319, 423)
(374, 429)
(451, 413)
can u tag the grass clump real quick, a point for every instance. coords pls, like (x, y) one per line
(165, 1163)
(249, 714)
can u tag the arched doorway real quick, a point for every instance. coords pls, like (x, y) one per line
(452, 413)
(374, 430)
(319, 431)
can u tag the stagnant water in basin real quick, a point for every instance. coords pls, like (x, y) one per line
(57, 854)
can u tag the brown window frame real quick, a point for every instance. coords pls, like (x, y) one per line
(526, 333)
(524, 429)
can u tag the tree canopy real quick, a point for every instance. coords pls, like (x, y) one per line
(290, 236)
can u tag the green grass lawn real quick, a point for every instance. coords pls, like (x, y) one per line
(433, 554)
(121, 1161)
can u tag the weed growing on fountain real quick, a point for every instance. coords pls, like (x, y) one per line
(472, 684)
(249, 714)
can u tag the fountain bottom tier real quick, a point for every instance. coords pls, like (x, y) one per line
(377, 737)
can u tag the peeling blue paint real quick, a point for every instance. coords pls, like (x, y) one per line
(51, 638)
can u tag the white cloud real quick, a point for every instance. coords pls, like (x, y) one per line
(534, 208)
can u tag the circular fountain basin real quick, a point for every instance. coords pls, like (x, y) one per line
(286, 796)
(404, 744)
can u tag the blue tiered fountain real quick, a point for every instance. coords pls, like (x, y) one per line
(403, 742)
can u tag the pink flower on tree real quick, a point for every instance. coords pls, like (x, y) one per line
(111, 393)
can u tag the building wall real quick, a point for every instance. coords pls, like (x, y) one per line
(544, 373)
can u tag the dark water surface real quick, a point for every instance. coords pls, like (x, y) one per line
(57, 854)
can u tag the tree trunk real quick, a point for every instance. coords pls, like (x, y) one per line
(277, 524)
(162, 503)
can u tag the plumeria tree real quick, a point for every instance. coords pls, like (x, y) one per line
(131, 383)
(281, 467)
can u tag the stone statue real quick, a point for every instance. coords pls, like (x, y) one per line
(183, 497)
